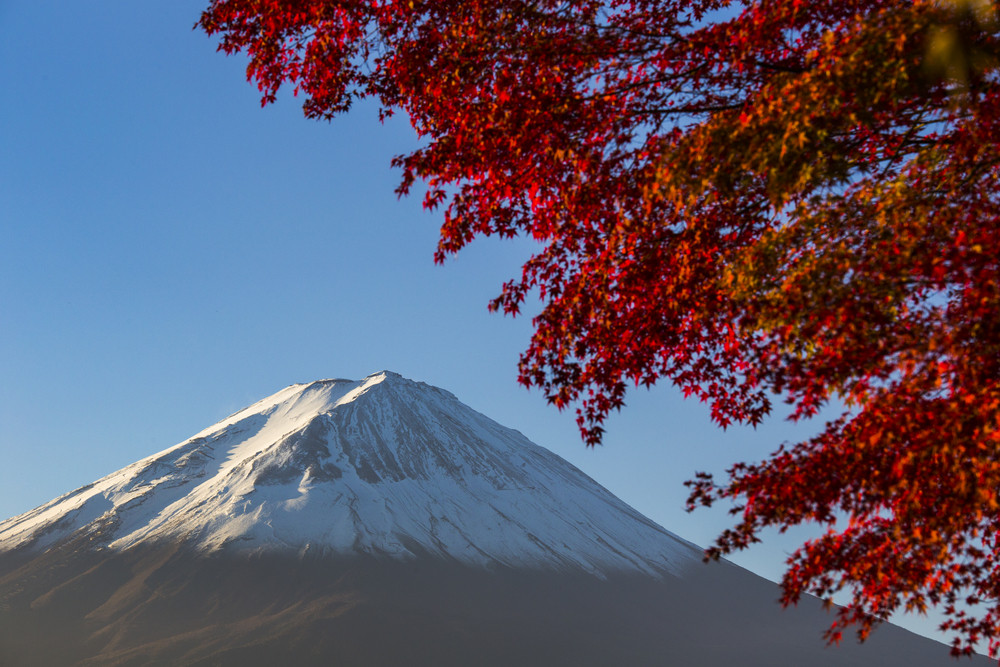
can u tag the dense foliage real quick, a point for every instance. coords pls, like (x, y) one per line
(747, 199)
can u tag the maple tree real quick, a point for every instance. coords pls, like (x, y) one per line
(754, 199)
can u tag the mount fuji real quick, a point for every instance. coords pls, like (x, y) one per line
(375, 522)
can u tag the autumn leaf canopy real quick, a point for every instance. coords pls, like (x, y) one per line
(746, 199)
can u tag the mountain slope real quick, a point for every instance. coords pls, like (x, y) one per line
(164, 606)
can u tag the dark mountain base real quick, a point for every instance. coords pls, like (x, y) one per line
(162, 606)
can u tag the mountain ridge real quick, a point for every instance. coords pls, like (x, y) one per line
(382, 465)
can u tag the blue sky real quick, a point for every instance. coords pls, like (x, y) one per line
(171, 252)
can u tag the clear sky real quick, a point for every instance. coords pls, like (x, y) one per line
(171, 252)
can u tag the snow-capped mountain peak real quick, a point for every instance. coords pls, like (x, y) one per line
(383, 466)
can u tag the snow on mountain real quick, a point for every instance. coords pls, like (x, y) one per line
(383, 466)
